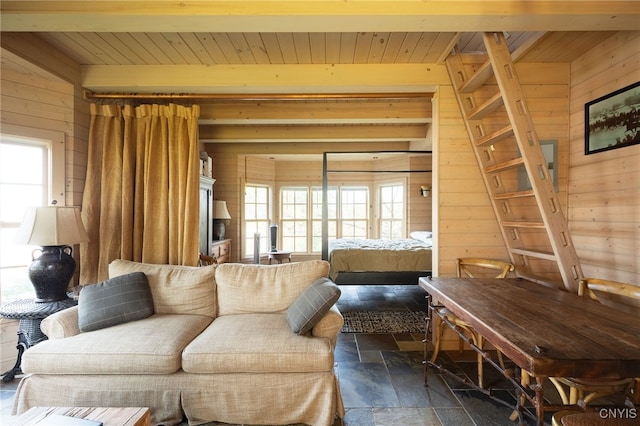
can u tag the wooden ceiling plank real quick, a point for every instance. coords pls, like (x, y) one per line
(347, 48)
(163, 44)
(272, 47)
(393, 47)
(210, 44)
(318, 48)
(287, 48)
(409, 45)
(423, 47)
(378, 46)
(82, 50)
(144, 40)
(332, 41)
(302, 47)
(227, 48)
(363, 47)
(258, 49)
(194, 43)
(140, 51)
(242, 48)
(181, 47)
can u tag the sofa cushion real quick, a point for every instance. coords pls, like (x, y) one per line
(312, 304)
(151, 346)
(114, 301)
(245, 288)
(255, 343)
(175, 289)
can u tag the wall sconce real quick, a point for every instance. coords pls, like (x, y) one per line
(425, 191)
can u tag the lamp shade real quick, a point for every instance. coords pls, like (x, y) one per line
(51, 226)
(220, 210)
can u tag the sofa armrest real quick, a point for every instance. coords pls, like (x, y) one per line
(61, 324)
(329, 326)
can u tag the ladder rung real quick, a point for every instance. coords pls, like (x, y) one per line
(512, 195)
(494, 137)
(540, 280)
(534, 253)
(511, 164)
(511, 224)
(486, 108)
(484, 73)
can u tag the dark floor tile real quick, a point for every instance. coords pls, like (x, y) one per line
(366, 384)
(453, 417)
(403, 362)
(376, 341)
(405, 417)
(358, 417)
(346, 351)
(485, 410)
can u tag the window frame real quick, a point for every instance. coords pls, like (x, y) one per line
(53, 145)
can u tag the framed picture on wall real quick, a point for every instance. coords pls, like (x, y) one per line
(613, 121)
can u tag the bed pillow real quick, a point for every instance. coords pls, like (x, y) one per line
(312, 304)
(115, 301)
(424, 236)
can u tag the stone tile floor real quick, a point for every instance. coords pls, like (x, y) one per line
(382, 377)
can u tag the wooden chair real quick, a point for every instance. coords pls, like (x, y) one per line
(207, 260)
(624, 297)
(470, 267)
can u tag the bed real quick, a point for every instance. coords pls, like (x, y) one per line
(366, 261)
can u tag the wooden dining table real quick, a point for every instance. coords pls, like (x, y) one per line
(546, 332)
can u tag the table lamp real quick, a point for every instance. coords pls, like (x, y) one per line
(54, 228)
(220, 215)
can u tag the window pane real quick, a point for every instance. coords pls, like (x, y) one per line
(24, 181)
(257, 220)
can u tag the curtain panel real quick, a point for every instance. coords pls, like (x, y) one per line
(141, 199)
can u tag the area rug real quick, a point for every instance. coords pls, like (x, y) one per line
(384, 322)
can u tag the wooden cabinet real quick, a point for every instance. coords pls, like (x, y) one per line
(221, 251)
(206, 214)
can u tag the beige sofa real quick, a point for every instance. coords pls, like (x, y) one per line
(218, 347)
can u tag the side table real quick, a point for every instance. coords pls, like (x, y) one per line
(279, 256)
(30, 313)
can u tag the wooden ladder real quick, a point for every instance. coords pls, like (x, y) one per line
(504, 140)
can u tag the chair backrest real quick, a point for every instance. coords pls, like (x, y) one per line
(469, 266)
(619, 295)
(207, 260)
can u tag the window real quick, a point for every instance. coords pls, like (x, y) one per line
(301, 216)
(354, 212)
(391, 211)
(25, 180)
(257, 218)
(294, 219)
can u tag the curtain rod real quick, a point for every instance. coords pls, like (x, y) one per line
(258, 96)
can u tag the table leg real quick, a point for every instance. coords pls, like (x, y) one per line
(427, 338)
(22, 345)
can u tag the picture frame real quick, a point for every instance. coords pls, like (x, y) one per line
(613, 121)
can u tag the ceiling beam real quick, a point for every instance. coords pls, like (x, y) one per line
(318, 16)
(269, 78)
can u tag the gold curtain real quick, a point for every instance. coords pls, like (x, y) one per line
(141, 198)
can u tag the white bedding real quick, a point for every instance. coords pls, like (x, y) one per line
(365, 255)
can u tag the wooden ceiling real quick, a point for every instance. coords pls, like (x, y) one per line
(303, 70)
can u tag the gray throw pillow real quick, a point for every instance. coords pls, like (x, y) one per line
(311, 305)
(115, 301)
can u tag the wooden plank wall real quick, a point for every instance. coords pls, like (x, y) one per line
(604, 188)
(33, 97)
